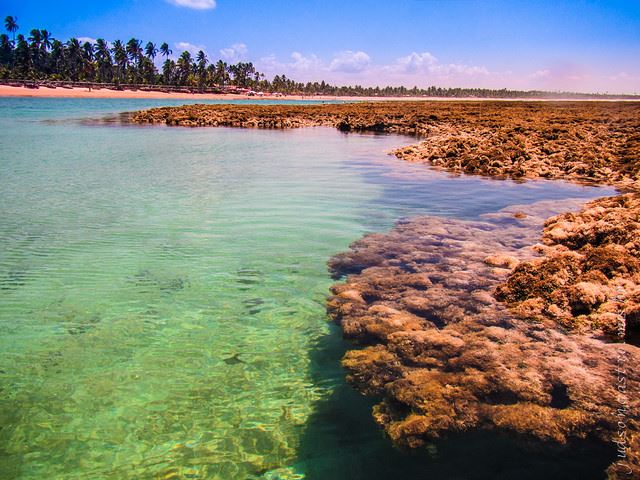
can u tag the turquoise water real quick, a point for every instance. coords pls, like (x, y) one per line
(162, 293)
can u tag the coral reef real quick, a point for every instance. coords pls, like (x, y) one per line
(589, 277)
(445, 356)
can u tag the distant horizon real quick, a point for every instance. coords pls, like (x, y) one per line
(534, 94)
(583, 47)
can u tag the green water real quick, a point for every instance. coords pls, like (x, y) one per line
(162, 293)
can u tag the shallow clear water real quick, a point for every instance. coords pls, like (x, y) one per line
(162, 294)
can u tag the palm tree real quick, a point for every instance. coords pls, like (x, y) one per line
(134, 50)
(168, 69)
(46, 39)
(10, 23)
(201, 59)
(35, 40)
(184, 65)
(22, 56)
(88, 67)
(147, 70)
(57, 57)
(165, 50)
(222, 73)
(120, 56)
(151, 51)
(104, 60)
(74, 59)
(6, 50)
(87, 51)
(242, 73)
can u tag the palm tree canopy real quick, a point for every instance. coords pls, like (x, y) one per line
(87, 50)
(73, 45)
(184, 63)
(119, 52)
(35, 37)
(11, 24)
(165, 50)
(151, 50)
(46, 39)
(103, 54)
(134, 49)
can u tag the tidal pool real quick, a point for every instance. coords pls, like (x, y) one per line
(162, 296)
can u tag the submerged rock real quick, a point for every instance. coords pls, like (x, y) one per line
(445, 356)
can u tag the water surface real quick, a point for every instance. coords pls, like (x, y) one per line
(162, 296)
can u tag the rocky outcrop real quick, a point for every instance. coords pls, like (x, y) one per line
(445, 356)
(588, 278)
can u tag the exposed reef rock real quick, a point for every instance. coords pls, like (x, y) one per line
(445, 356)
(589, 277)
(586, 141)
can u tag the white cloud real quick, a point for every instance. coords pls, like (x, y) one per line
(299, 64)
(416, 62)
(459, 69)
(86, 39)
(189, 47)
(350, 62)
(194, 4)
(426, 66)
(234, 53)
(546, 73)
(349, 67)
(565, 75)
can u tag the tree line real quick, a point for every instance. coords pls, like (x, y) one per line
(41, 57)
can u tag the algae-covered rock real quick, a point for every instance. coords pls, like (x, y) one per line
(445, 357)
(589, 277)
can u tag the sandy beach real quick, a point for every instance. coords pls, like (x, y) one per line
(77, 92)
(46, 92)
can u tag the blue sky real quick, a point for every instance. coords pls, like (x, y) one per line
(552, 45)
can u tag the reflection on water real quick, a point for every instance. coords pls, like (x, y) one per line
(162, 294)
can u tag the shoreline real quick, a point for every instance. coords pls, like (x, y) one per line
(78, 92)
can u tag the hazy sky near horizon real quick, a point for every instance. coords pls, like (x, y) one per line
(540, 44)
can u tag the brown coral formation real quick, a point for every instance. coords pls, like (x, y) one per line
(589, 276)
(586, 141)
(446, 356)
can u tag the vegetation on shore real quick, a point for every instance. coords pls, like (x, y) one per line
(41, 57)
